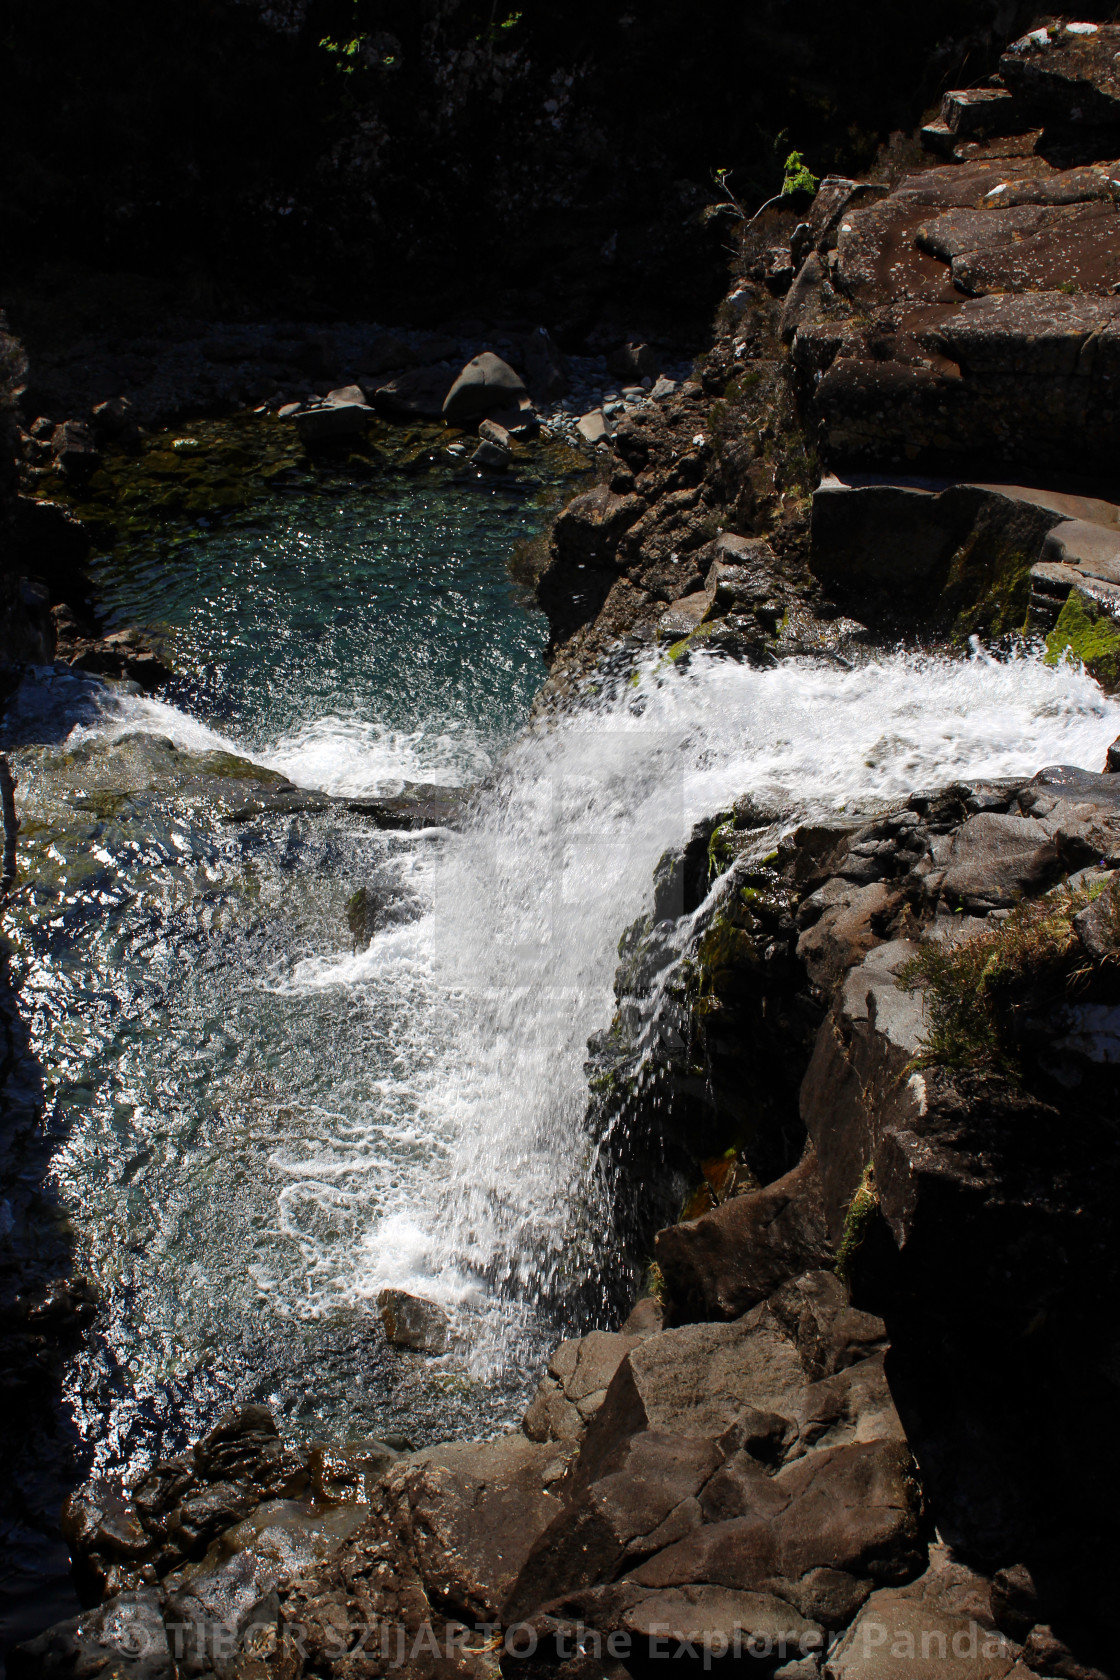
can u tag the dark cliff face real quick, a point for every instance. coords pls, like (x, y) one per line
(450, 156)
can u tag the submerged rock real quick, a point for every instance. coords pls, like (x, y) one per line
(412, 1322)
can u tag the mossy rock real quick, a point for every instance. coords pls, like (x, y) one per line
(1086, 632)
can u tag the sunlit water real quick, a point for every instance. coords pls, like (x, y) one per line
(260, 1126)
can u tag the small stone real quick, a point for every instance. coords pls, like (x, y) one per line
(345, 395)
(492, 432)
(491, 455)
(592, 427)
(412, 1322)
(664, 388)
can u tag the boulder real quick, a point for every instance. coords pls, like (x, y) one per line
(469, 1514)
(412, 1322)
(74, 449)
(589, 528)
(995, 860)
(343, 414)
(750, 1456)
(709, 1622)
(635, 360)
(579, 1374)
(485, 386)
(114, 421)
(493, 456)
(50, 544)
(684, 616)
(416, 395)
(726, 1261)
(592, 427)
(546, 372)
(1066, 76)
(940, 1626)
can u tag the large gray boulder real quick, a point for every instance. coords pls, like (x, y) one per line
(487, 385)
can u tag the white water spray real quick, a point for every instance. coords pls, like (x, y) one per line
(530, 903)
(464, 1170)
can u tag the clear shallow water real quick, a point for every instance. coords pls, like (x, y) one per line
(260, 1126)
(353, 637)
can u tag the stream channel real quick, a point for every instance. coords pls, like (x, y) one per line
(255, 1124)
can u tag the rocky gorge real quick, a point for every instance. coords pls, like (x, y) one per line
(835, 1398)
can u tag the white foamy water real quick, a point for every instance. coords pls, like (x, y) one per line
(452, 1158)
(528, 906)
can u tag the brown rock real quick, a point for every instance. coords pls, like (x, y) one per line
(727, 1260)
(471, 1512)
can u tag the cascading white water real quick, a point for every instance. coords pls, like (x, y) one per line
(430, 1133)
(528, 905)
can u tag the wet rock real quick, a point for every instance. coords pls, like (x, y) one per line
(125, 1637)
(382, 902)
(179, 1506)
(485, 386)
(721, 1264)
(684, 616)
(417, 805)
(345, 1475)
(493, 456)
(490, 431)
(412, 1322)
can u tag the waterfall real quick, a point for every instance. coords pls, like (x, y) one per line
(330, 1120)
(529, 903)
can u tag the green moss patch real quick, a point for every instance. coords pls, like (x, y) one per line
(1085, 632)
(861, 1211)
(981, 994)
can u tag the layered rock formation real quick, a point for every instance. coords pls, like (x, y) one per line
(942, 349)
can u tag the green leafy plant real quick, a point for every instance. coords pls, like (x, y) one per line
(345, 53)
(798, 177)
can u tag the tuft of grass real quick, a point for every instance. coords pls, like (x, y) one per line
(979, 993)
(861, 1210)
